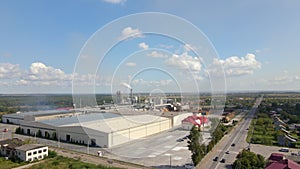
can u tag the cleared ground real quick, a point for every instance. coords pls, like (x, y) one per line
(157, 151)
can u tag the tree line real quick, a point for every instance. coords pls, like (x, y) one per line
(199, 150)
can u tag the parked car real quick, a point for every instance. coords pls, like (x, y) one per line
(227, 152)
(294, 154)
(284, 150)
(223, 160)
(216, 159)
(189, 166)
(180, 140)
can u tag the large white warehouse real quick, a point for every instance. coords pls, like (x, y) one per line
(98, 129)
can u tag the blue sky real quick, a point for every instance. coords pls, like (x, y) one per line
(41, 40)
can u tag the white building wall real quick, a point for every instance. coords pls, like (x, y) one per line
(187, 125)
(137, 132)
(83, 135)
(11, 120)
(121, 137)
(177, 119)
(31, 155)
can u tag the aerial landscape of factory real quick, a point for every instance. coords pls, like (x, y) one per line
(108, 125)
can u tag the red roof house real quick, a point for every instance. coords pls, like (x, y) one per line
(276, 161)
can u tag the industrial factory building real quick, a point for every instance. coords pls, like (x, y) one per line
(98, 129)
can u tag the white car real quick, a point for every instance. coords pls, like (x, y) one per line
(189, 166)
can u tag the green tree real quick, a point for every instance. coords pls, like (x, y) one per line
(39, 133)
(249, 160)
(18, 130)
(54, 136)
(194, 145)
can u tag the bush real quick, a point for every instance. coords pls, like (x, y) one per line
(51, 154)
(247, 159)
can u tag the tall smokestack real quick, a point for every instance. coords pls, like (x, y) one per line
(130, 88)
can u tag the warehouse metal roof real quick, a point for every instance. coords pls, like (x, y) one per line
(104, 122)
(123, 123)
(65, 121)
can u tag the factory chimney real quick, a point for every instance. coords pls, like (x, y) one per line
(130, 95)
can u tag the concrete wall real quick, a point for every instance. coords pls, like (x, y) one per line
(31, 155)
(34, 127)
(83, 135)
(123, 136)
(177, 119)
(11, 120)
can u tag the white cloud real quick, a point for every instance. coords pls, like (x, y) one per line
(115, 1)
(43, 78)
(129, 32)
(39, 71)
(156, 83)
(235, 66)
(185, 62)
(156, 54)
(22, 82)
(8, 71)
(144, 46)
(284, 78)
(197, 77)
(130, 64)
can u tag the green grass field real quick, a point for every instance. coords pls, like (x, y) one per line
(60, 162)
(8, 164)
(261, 131)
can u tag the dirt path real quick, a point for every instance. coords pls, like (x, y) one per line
(27, 165)
(94, 159)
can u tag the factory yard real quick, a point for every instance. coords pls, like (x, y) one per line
(157, 151)
(154, 151)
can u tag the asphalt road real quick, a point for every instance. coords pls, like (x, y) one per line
(237, 136)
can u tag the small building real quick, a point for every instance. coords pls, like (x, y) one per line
(16, 149)
(196, 120)
(277, 161)
(31, 152)
(7, 147)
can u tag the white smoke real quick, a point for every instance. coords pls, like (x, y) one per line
(127, 85)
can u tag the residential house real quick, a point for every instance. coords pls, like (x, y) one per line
(277, 161)
(8, 146)
(16, 149)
